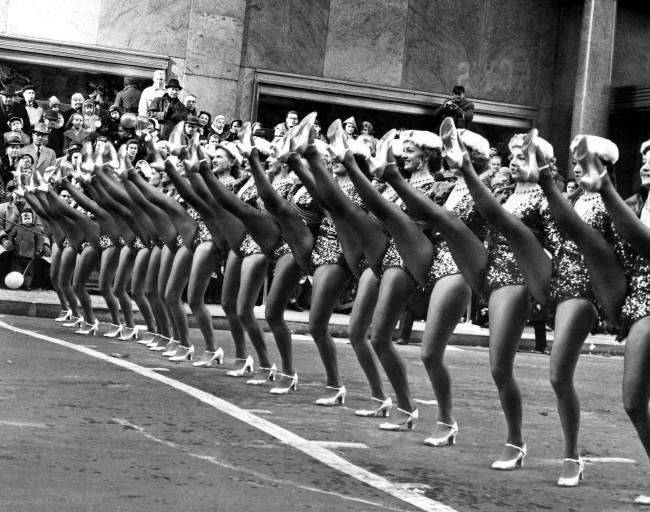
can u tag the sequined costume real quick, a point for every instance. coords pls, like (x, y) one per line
(202, 233)
(327, 247)
(637, 270)
(461, 203)
(104, 241)
(570, 278)
(529, 204)
(248, 193)
(392, 258)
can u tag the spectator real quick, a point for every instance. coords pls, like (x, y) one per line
(76, 104)
(219, 127)
(495, 164)
(318, 133)
(168, 110)
(571, 187)
(13, 147)
(42, 155)
(6, 99)
(128, 99)
(205, 119)
(234, 130)
(55, 104)
(111, 123)
(367, 136)
(152, 92)
(350, 128)
(190, 104)
(34, 111)
(458, 107)
(290, 121)
(16, 126)
(99, 96)
(18, 109)
(76, 134)
(91, 117)
(28, 241)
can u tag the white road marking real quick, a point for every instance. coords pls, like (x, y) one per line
(213, 460)
(426, 402)
(335, 444)
(594, 460)
(321, 454)
(159, 369)
(23, 424)
(259, 411)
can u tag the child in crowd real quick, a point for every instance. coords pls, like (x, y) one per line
(28, 244)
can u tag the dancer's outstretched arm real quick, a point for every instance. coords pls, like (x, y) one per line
(627, 224)
(468, 251)
(607, 275)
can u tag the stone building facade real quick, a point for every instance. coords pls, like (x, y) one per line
(565, 66)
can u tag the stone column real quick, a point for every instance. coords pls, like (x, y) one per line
(594, 76)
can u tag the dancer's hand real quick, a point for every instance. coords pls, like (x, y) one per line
(454, 149)
(383, 155)
(338, 145)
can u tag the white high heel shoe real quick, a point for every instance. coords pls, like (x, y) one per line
(170, 349)
(130, 335)
(383, 411)
(208, 357)
(263, 376)
(337, 399)
(512, 463)
(642, 500)
(147, 341)
(572, 481)
(448, 439)
(117, 332)
(405, 421)
(286, 384)
(91, 330)
(183, 354)
(79, 322)
(247, 369)
(64, 315)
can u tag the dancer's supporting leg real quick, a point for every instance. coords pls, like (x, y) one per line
(55, 270)
(178, 277)
(285, 279)
(151, 286)
(107, 268)
(204, 262)
(122, 276)
(86, 262)
(253, 273)
(229, 293)
(166, 262)
(139, 291)
(66, 272)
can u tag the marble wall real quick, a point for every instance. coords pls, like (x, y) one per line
(631, 47)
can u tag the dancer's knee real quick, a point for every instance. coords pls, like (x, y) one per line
(636, 406)
(501, 374)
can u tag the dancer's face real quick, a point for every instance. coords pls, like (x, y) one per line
(644, 172)
(155, 178)
(577, 171)
(517, 160)
(339, 169)
(413, 156)
(221, 161)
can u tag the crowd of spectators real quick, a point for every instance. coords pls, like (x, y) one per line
(37, 132)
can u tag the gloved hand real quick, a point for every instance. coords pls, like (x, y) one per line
(7, 244)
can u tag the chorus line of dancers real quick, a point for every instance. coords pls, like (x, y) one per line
(310, 208)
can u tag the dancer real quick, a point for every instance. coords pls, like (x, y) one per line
(517, 267)
(587, 279)
(596, 155)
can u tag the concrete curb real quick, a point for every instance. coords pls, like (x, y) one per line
(45, 305)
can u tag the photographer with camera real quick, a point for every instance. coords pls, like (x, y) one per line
(457, 107)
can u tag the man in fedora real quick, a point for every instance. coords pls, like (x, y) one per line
(34, 111)
(54, 122)
(168, 110)
(42, 155)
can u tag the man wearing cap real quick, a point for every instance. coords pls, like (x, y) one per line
(34, 111)
(168, 110)
(111, 124)
(218, 127)
(54, 123)
(128, 99)
(9, 157)
(190, 104)
(152, 92)
(17, 109)
(42, 155)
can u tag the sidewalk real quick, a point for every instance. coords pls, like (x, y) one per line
(44, 304)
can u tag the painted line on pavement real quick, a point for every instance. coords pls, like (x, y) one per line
(323, 455)
(23, 424)
(336, 444)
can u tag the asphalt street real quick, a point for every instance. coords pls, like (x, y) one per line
(91, 423)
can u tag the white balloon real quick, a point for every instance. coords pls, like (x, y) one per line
(14, 280)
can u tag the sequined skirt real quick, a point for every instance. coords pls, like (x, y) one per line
(637, 302)
(442, 264)
(327, 251)
(202, 235)
(249, 247)
(570, 279)
(502, 269)
(105, 242)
